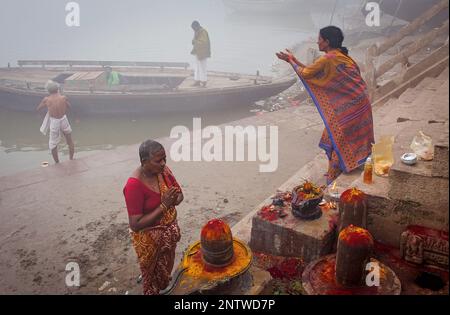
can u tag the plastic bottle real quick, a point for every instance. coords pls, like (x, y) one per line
(368, 171)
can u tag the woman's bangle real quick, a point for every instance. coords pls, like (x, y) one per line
(164, 207)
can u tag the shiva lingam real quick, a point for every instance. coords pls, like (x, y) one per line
(305, 201)
(351, 271)
(352, 208)
(212, 263)
(355, 246)
(217, 244)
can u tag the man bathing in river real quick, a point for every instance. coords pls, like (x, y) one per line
(56, 119)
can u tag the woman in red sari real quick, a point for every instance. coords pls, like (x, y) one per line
(339, 92)
(151, 194)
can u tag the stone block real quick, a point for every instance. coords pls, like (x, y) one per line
(416, 183)
(252, 282)
(388, 217)
(430, 192)
(422, 245)
(292, 237)
(440, 163)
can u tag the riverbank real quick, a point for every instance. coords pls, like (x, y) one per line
(75, 211)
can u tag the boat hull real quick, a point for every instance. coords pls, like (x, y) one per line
(176, 101)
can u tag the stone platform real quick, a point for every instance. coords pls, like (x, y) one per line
(292, 237)
(239, 277)
(251, 282)
(410, 195)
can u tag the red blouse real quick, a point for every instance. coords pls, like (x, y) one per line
(142, 200)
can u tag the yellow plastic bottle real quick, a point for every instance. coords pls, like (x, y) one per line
(368, 171)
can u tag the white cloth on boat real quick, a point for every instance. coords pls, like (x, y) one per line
(45, 124)
(200, 71)
(58, 126)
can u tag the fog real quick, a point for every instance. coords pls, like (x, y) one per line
(148, 30)
(159, 30)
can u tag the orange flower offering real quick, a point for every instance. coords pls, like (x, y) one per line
(308, 191)
(355, 236)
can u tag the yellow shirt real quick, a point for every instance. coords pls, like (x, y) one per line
(202, 45)
(325, 68)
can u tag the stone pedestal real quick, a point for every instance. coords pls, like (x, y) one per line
(319, 278)
(252, 282)
(194, 276)
(291, 237)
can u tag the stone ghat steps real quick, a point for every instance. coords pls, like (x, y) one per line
(388, 217)
(411, 194)
(379, 112)
(269, 237)
(385, 121)
(444, 74)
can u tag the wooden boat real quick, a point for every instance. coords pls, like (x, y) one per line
(145, 87)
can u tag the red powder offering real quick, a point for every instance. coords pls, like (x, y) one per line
(268, 213)
(355, 236)
(352, 195)
(216, 230)
(428, 232)
(287, 269)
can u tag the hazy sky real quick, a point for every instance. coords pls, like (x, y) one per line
(149, 30)
(157, 30)
(37, 29)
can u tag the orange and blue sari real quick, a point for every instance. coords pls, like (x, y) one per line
(339, 92)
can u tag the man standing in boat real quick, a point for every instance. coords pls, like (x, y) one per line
(56, 120)
(201, 51)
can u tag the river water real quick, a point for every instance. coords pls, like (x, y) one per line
(135, 30)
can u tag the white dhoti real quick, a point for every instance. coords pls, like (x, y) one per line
(58, 126)
(45, 125)
(200, 70)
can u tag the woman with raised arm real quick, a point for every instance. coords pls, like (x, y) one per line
(339, 92)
